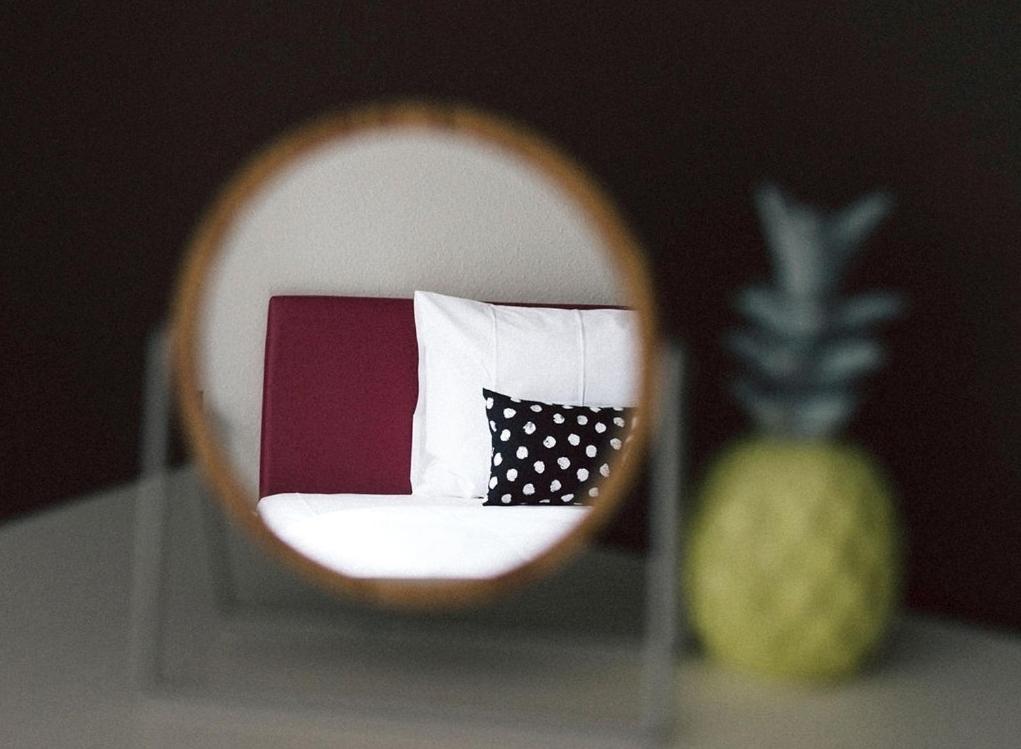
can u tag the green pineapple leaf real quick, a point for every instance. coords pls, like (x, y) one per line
(812, 417)
(785, 317)
(811, 247)
(866, 310)
(848, 228)
(843, 361)
(780, 314)
(808, 348)
(798, 363)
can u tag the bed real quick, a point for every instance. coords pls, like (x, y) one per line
(409, 536)
(339, 391)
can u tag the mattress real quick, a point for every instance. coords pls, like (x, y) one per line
(409, 536)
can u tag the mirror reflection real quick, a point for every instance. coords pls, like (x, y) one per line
(463, 456)
(415, 345)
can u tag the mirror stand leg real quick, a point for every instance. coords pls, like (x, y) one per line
(221, 575)
(150, 520)
(662, 616)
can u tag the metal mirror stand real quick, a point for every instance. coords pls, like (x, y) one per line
(153, 598)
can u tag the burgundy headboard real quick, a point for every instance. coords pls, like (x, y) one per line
(340, 387)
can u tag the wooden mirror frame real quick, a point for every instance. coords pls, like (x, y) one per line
(204, 248)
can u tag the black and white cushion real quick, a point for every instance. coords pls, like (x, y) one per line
(551, 453)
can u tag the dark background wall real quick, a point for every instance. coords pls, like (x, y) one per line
(120, 121)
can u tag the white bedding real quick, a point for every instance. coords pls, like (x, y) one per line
(410, 536)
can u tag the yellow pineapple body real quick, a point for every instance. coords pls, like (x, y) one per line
(792, 558)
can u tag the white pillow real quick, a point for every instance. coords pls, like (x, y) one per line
(586, 357)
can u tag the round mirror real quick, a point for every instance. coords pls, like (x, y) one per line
(413, 346)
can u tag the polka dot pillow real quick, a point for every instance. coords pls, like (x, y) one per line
(551, 453)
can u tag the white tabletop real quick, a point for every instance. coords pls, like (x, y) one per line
(65, 682)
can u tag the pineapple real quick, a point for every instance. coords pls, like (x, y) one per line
(792, 562)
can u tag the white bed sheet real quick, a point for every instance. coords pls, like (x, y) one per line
(411, 536)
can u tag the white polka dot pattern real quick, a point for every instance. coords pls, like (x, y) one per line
(542, 456)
